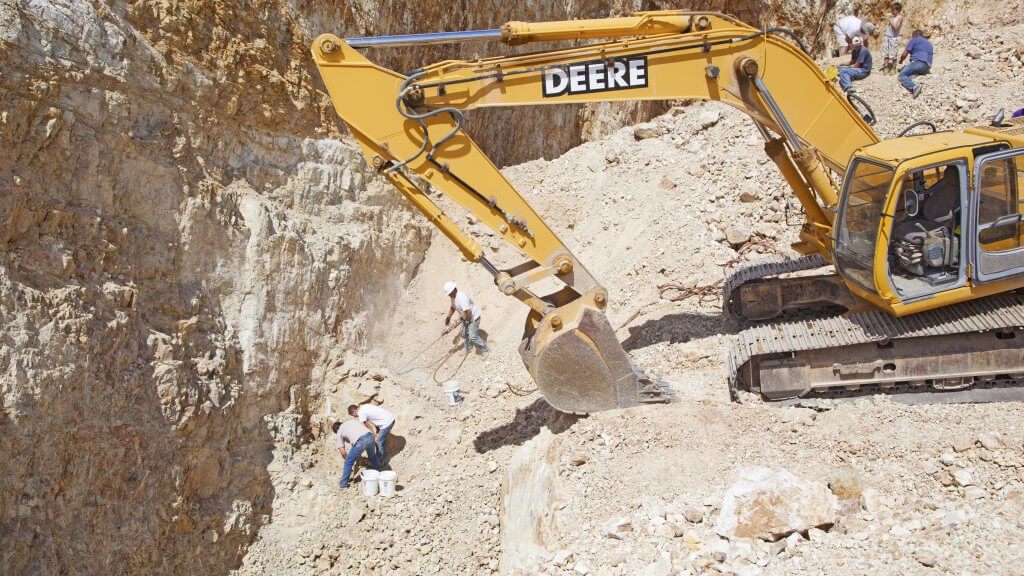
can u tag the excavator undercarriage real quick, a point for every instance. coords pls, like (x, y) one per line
(970, 352)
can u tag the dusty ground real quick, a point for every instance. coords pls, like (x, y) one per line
(641, 213)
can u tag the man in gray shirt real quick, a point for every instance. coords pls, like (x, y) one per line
(859, 67)
(360, 440)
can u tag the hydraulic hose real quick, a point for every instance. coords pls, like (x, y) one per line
(792, 35)
(910, 128)
(407, 112)
(869, 115)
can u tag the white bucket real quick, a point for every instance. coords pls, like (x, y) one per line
(451, 392)
(388, 479)
(370, 481)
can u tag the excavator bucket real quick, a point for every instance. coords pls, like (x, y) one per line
(580, 366)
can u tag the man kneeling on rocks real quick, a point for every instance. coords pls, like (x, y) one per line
(359, 440)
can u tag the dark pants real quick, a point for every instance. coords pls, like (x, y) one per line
(363, 444)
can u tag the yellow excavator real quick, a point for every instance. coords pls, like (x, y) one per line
(911, 250)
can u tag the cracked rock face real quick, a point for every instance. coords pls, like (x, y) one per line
(184, 251)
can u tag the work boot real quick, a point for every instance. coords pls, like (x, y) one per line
(917, 91)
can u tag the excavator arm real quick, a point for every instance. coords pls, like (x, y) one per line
(411, 126)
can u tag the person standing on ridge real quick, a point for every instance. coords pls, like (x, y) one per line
(921, 53)
(891, 43)
(469, 313)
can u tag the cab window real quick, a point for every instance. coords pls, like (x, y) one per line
(860, 215)
(924, 253)
(999, 221)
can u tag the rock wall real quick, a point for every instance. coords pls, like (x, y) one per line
(182, 254)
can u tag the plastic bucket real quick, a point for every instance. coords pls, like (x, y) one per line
(451, 392)
(388, 479)
(370, 480)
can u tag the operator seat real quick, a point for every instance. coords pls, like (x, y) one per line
(941, 201)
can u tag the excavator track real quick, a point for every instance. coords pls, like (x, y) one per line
(764, 272)
(969, 352)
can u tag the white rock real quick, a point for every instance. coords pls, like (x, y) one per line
(617, 528)
(869, 500)
(693, 515)
(974, 492)
(963, 478)
(647, 130)
(581, 568)
(709, 117)
(953, 519)
(770, 504)
(990, 441)
(947, 459)
(561, 558)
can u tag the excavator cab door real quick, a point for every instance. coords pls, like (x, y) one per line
(926, 242)
(997, 225)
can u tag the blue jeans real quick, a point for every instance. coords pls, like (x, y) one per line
(915, 68)
(471, 336)
(847, 75)
(382, 436)
(363, 444)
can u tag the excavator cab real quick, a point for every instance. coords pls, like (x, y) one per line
(913, 224)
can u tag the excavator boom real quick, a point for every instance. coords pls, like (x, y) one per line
(413, 125)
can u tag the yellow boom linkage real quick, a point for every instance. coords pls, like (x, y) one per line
(412, 124)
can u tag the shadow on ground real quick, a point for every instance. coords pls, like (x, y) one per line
(394, 444)
(526, 424)
(679, 327)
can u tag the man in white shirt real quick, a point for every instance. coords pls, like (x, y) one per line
(378, 421)
(353, 434)
(849, 26)
(469, 313)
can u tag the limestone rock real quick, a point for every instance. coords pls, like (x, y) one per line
(709, 117)
(617, 528)
(693, 515)
(846, 483)
(772, 503)
(737, 236)
(647, 130)
(963, 478)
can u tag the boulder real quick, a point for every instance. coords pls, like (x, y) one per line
(709, 118)
(772, 503)
(846, 483)
(647, 130)
(963, 478)
(617, 529)
(737, 235)
(693, 515)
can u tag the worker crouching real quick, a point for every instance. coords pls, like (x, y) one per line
(359, 440)
(469, 313)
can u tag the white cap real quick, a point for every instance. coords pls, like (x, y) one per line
(857, 41)
(449, 287)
